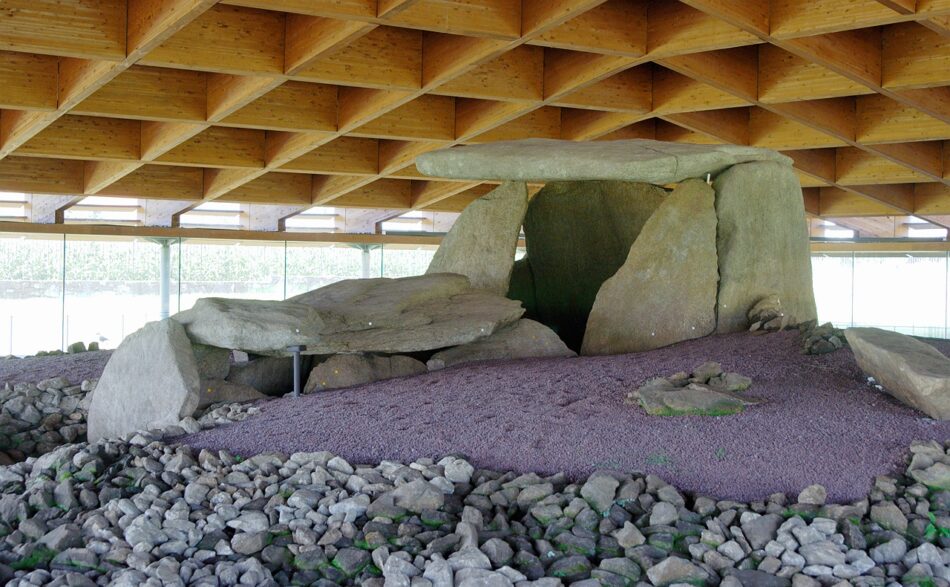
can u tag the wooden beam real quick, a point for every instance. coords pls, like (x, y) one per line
(28, 82)
(730, 126)
(931, 199)
(344, 155)
(616, 27)
(428, 192)
(308, 38)
(86, 29)
(818, 163)
(836, 202)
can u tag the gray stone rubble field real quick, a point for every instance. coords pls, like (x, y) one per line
(144, 511)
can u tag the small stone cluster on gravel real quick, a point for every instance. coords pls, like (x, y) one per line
(819, 340)
(767, 316)
(704, 391)
(38, 418)
(144, 511)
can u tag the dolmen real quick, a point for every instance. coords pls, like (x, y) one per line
(631, 245)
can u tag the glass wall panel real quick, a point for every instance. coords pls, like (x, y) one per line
(832, 277)
(313, 265)
(902, 292)
(406, 260)
(232, 269)
(31, 293)
(112, 288)
(374, 260)
(55, 290)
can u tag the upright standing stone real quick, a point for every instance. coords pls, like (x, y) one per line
(150, 380)
(578, 234)
(666, 291)
(762, 243)
(481, 244)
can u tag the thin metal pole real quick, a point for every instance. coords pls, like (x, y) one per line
(164, 277)
(366, 269)
(296, 351)
(946, 293)
(62, 304)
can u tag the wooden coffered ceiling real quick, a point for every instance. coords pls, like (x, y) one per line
(327, 102)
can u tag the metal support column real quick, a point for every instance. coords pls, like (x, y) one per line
(164, 274)
(296, 350)
(366, 262)
(164, 277)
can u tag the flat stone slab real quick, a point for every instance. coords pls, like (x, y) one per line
(910, 370)
(692, 400)
(259, 326)
(409, 314)
(523, 340)
(405, 315)
(642, 160)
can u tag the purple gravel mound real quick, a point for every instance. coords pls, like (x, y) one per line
(75, 368)
(822, 423)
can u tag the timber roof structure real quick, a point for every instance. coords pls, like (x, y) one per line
(306, 103)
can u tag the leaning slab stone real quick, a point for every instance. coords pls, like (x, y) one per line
(260, 326)
(643, 160)
(409, 314)
(578, 234)
(214, 391)
(665, 292)
(910, 370)
(358, 369)
(524, 339)
(762, 243)
(481, 244)
(151, 379)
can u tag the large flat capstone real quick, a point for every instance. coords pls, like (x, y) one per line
(665, 292)
(481, 244)
(643, 160)
(151, 380)
(910, 370)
